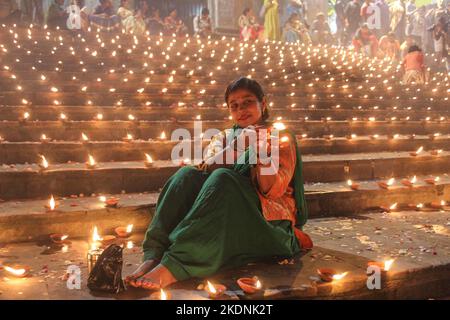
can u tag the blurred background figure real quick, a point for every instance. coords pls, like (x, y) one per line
(250, 29)
(203, 25)
(272, 29)
(320, 31)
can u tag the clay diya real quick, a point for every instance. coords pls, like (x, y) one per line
(416, 153)
(432, 181)
(328, 274)
(249, 285)
(215, 290)
(386, 185)
(435, 152)
(124, 232)
(148, 161)
(353, 185)
(18, 271)
(58, 238)
(112, 202)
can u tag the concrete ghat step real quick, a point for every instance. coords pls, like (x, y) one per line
(64, 151)
(77, 113)
(421, 269)
(116, 130)
(30, 219)
(29, 181)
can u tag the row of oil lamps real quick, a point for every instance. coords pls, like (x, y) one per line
(249, 285)
(99, 117)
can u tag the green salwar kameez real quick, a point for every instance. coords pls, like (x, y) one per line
(206, 221)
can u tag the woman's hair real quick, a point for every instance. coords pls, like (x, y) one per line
(246, 11)
(251, 85)
(414, 48)
(122, 2)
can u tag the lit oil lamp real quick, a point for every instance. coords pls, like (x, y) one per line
(91, 164)
(438, 204)
(162, 136)
(99, 117)
(432, 180)
(416, 153)
(58, 238)
(353, 185)
(18, 271)
(62, 117)
(409, 183)
(1, 139)
(148, 161)
(329, 275)
(44, 163)
(434, 136)
(124, 232)
(436, 152)
(44, 138)
(386, 185)
(384, 266)
(25, 117)
(95, 251)
(250, 285)
(391, 208)
(84, 138)
(128, 138)
(215, 291)
(51, 205)
(111, 202)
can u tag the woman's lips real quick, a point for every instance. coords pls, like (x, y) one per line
(244, 118)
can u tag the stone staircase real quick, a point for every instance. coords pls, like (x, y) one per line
(352, 118)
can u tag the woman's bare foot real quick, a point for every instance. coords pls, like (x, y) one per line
(159, 277)
(144, 268)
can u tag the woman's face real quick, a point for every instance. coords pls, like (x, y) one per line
(245, 109)
(173, 14)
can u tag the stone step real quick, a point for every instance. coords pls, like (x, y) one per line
(30, 219)
(420, 270)
(64, 151)
(79, 113)
(29, 181)
(16, 131)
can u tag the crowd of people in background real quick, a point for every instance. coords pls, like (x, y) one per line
(396, 30)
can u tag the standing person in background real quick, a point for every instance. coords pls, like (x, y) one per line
(418, 26)
(271, 20)
(297, 7)
(339, 8)
(365, 12)
(249, 28)
(398, 19)
(33, 11)
(203, 25)
(352, 18)
(410, 10)
(320, 30)
(384, 15)
(57, 15)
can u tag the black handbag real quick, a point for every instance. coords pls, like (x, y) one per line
(106, 275)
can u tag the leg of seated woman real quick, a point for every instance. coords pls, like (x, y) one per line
(225, 227)
(174, 202)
